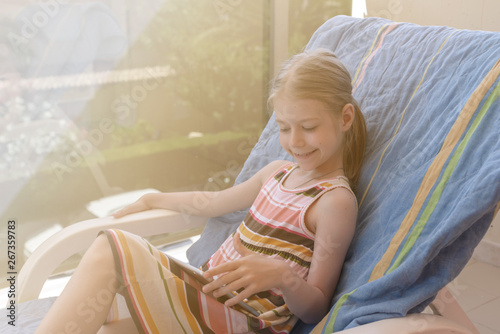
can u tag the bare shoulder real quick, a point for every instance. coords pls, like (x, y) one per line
(268, 170)
(338, 203)
(337, 199)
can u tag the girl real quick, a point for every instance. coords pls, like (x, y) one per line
(284, 259)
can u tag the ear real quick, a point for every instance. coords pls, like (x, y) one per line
(347, 117)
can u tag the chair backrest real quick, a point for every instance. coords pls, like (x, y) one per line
(430, 182)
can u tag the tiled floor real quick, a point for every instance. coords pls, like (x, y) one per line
(477, 290)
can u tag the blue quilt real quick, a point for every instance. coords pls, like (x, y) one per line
(431, 179)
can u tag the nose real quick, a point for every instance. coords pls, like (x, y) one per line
(296, 139)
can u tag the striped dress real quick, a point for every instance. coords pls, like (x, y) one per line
(162, 298)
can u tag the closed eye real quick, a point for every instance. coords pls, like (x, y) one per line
(284, 129)
(309, 128)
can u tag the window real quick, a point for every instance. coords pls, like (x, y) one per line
(99, 98)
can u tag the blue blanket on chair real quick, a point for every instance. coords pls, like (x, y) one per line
(431, 179)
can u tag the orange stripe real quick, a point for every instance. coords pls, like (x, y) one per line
(274, 243)
(124, 265)
(432, 174)
(135, 287)
(401, 120)
(182, 296)
(264, 304)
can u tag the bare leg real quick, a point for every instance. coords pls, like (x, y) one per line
(85, 302)
(123, 326)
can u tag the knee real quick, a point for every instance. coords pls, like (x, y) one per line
(101, 242)
(100, 251)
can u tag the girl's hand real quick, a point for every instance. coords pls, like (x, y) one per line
(253, 273)
(137, 206)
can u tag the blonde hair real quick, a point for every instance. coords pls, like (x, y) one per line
(319, 75)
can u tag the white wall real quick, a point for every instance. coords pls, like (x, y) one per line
(461, 14)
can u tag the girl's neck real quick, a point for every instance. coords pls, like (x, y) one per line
(301, 178)
(321, 173)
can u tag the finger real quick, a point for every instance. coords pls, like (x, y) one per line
(221, 269)
(238, 285)
(210, 287)
(118, 214)
(220, 282)
(122, 212)
(239, 297)
(132, 208)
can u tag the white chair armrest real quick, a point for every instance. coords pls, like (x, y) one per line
(449, 308)
(78, 237)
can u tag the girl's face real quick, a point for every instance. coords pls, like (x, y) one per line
(311, 134)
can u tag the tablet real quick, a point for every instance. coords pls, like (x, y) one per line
(198, 275)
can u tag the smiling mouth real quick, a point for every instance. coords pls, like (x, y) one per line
(304, 155)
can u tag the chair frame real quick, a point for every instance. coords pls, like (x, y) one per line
(79, 236)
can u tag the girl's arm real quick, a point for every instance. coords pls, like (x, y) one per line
(335, 222)
(333, 217)
(205, 203)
